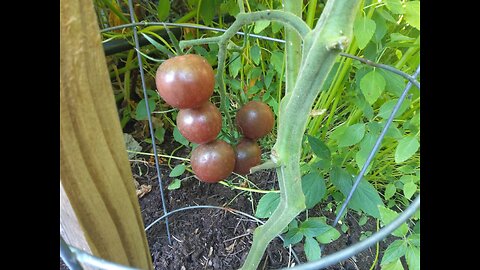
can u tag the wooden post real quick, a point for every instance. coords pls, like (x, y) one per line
(94, 167)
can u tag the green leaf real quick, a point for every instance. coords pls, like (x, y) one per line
(386, 15)
(390, 190)
(276, 26)
(363, 30)
(381, 27)
(412, 13)
(207, 11)
(179, 137)
(312, 249)
(313, 186)
(395, 6)
(276, 59)
(235, 64)
(157, 45)
(409, 189)
(267, 204)
(141, 111)
(387, 108)
(160, 135)
(366, 147)
(178, 170)
(372, 86)
(412, 257)
(387, 216)
(396, 265)
(364, 198)
(363, 220)
(175, 184)
(292, 237)
(397, 37)
(320, 149)
(338, 131)
(255, 54)
(394, 251)
(328, 236)
(231, 7)
(268, 78)
(314, 226)
(406, 148)
(395, 83)
(352, 135)
(414, 239)
(409, 178)
(260, 25)
(163, 9)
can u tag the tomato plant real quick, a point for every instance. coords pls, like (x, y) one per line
(255, 119)
(185, 81)
(200, 125)
(213, 161)
(247, 155)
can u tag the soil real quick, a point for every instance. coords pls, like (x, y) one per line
(220, 239)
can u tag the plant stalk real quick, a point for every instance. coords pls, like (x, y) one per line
(332, 34)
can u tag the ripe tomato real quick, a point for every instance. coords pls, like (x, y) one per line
(200, 125)
(255, 119)
(213, 161)
(248, 154)
(185, 81)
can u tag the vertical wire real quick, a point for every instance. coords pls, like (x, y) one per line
(376, 146)
(150, 125)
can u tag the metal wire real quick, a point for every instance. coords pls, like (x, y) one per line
(68, 257)
(150, 125)
(98, 262)
(187, 25)
(358, 247)
(375, 147)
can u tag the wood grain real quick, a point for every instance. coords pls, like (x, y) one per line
(94, 167)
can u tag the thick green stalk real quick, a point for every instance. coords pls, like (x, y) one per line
(322, 46)
(293, 46)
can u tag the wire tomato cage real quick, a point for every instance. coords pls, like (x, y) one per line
(74, 257)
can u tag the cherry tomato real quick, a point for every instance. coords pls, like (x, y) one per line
(255, 120)
(185, 81)
(213, 161)
(200, 125)
(248, 154)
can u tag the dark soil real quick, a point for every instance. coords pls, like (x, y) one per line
(219, 239)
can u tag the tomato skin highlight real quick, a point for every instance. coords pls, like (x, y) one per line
(185, 81)
(255, 120)
(247, 155)
(200, 125)
(213, 161)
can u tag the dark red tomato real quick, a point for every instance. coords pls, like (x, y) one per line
(200, 125)
(255, 119)
(213, 161)
(248, 154)
(185, 81)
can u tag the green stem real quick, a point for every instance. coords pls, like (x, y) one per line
(312, 7)
(293, 48)
(408, 54)
(322, 45)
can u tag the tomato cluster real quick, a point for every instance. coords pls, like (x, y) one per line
(186, 82)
